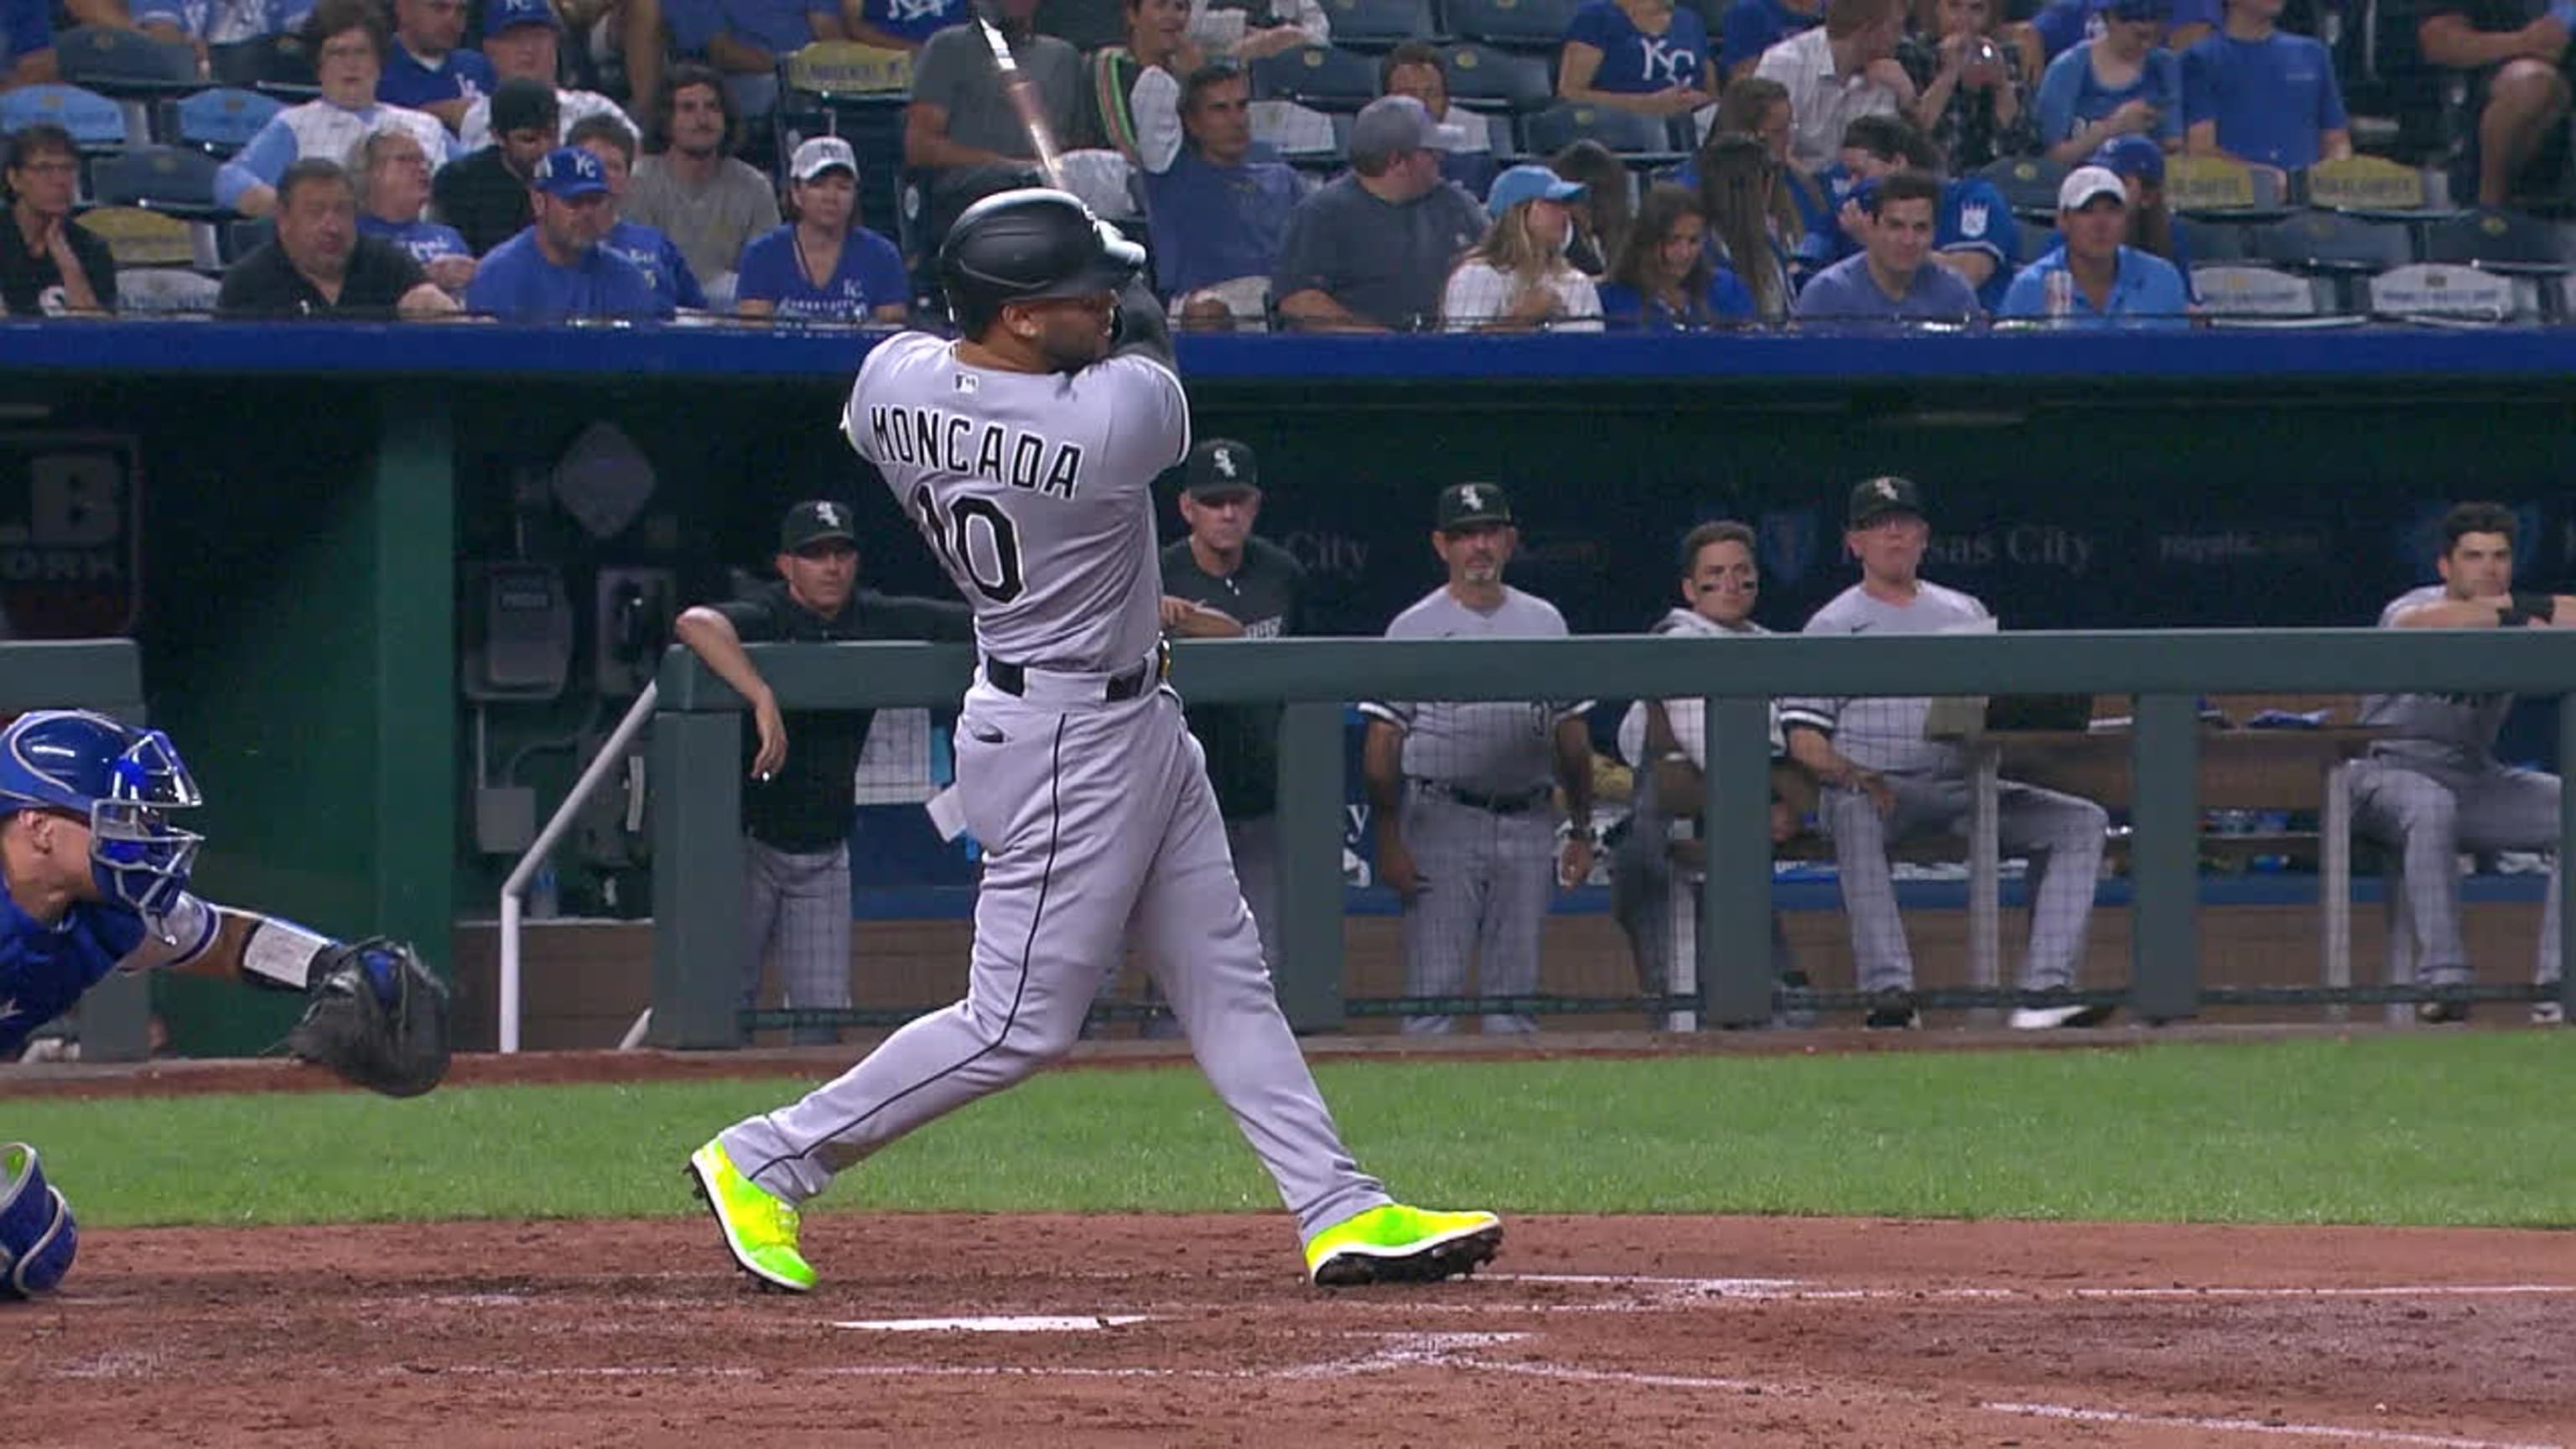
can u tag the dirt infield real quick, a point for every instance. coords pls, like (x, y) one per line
(1118, 1331)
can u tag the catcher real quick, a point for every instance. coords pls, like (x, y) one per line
(96, 880)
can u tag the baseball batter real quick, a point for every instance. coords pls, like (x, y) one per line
(1026, 452)
(2436, 786)
(96, 872)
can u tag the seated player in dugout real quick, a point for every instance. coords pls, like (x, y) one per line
(96, 877)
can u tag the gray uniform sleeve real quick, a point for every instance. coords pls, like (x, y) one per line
(1815, 712)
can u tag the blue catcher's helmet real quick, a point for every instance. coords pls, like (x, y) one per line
(121, 781)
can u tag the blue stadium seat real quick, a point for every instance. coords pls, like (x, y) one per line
(1380, 25)
(2510, 242)
(273, 65)
(95, 122)
(1324, 77)
(2236, 295)
(125, 62)
(2453, 296)
(2333, 243)
(218, 122)
(2028, 183)
(1498, 82)
(2219, 241)
(1641, 141)
(171, 179)
(1527, 25)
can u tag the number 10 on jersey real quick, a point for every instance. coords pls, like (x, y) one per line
(994, 568)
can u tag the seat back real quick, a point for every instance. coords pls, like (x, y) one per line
(2433, 292)
(155, 176)
(219, 121)
(2232, 293)
(1482, 78)
(95, 122)
(829, 69)
(2028, 183)
(139, 238)
(1380, 25)
(276, 65)
(123, 62)
(2217, 186)
(2500, 241)
(2372, 186)
(1642, 140)
(1537, 26)
(2336, 242)
(1323, 77)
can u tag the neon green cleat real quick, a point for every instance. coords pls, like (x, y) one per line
(759, 1230)
(1399, 1244)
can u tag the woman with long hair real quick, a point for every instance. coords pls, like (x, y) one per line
(823, 266)
(1739, 191)
(1603, 214)
(1666, 281)
(1759, 107)
(1517, 279)
(2140, 164)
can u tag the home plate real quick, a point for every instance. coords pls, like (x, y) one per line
(1018, 1323)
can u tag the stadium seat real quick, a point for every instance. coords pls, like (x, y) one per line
(2028, 183)
(273, 65)
(2032, 239)
(1380, 25)
(2219, 241)
(1322, 77)
(2232, 295)
(2333, 242)
(125, 63)
(1641, 141)
(243, 236)
(2216, 186)
(95, 122)
(171, 179)
(139, 238)
(2371, 186)
(2453, 296)
(1497, 82)
(2509, 242)
(218, 122)
(1537, 26)
(858, 93)
(166, 289)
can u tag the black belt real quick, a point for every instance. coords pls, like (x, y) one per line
(1491, 804)
(1012, 678)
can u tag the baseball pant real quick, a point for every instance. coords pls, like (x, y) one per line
(1101, 829)
(1657, 907)
(796, 910)
(1486, 880)
(2059, 834)
(2429, 812)
(1254, 844)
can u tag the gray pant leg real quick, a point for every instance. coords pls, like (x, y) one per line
(1642, 881)
(1254, 843)
(2506, 809)
(1440, 923)
(1523, 880)
(1879, 951)
(814, 937)
(2062, 835)
(760, 894)
(2419, 816)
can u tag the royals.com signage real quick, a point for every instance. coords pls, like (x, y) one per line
(70, 535)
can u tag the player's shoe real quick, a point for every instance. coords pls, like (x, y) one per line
(1399, 1244)
(759, 1230)
(2441, 1013)
(1892, 1010)
(2548, 1013)
(2051, 1018)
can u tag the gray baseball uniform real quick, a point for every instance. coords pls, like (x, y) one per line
(1074, 770)
(2060, 834)
(2435, 787)
(1479, 817)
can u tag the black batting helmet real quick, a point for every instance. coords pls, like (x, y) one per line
(1019, 246)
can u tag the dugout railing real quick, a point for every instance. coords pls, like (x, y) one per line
(697, 744)
(105, 675)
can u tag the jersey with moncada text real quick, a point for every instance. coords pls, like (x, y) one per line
(1035, 490)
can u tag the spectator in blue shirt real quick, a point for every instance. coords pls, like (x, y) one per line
(2123, 84)
(823, 266)
(1666, 281)
(555, 270)
(1638, 55)
(390, 173)
(1893, 279)
(27, 28)
(2064, 24)
(427, 67)
(1973, 232)
(2262, 97)
(653, 253)
(2094, 280)
(1217, 212)
(1753, 26)
(900, 24)
(2140, 165)
(744, 40)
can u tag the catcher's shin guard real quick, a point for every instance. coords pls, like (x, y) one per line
(37, 1235)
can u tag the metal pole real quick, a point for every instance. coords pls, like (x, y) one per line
(515, 889)
(1735, 899)
(2164, 865)
(1309, 860)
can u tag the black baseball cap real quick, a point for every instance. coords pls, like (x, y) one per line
(1220, 466)
(1875, 498)
(1466, 505)
(815, 521)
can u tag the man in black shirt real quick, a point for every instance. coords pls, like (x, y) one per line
(485, 195)
(1221, 582)
(799, 807)
(49, 263)
(318, 265)
(2518, 52)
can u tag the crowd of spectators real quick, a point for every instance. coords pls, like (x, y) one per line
(1806, 138)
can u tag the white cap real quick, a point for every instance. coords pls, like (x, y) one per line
(820, 154)
(2086, 182)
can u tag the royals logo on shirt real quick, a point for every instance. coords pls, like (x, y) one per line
(1972, 220)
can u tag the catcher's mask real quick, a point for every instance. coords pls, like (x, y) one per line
(122, 782)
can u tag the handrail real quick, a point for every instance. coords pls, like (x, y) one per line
(515, 888)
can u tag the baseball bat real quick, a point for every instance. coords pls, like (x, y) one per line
(1024, 97)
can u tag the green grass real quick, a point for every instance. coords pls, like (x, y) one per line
(2467, 1129)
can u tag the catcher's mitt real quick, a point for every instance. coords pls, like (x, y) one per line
(376, 1016)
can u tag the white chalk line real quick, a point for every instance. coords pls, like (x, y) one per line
(1792, 1289)
(2259, 1426)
